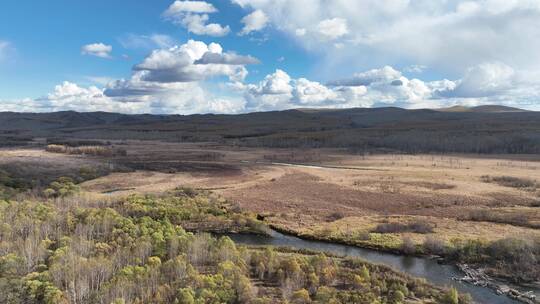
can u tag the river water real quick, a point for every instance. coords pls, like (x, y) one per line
(433, 272)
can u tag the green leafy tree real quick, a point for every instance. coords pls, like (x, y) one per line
(186, 296)
(451, 296)
(300, 297)
(397, 297)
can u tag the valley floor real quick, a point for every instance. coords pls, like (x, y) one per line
(338, 196)
(317, 192)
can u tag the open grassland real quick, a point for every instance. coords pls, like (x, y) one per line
(319, 186)
(329, 194)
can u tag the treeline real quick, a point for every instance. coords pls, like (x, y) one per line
(42, 179)
(515, 259)
(14, 140)
(410, 131)
(76, 142)
(135, 250)
(410, 141)
(9, 185)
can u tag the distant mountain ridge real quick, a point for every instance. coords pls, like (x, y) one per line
(484, 129)
(482, 109)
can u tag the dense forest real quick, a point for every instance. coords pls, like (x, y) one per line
(63, 247)
(477, 130)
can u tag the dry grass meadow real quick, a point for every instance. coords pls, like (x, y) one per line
(332, 194)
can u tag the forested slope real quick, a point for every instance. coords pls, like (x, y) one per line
(488, 129)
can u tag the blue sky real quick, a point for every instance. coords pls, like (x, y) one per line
(48, 47)
(130, 56)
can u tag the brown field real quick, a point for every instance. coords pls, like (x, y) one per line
(332, 192)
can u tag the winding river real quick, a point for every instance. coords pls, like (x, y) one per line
(433, 272)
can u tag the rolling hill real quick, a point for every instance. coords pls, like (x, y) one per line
(485, 129)
(482, 109)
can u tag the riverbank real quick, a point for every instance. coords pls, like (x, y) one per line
(468, 274)
(478, 277)
(330, 239)
(141, 250)
(510, 256)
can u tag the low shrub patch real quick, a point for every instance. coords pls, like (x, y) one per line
(418, 226)
(511, 181)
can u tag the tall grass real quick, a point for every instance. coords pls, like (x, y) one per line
(418, 226)
(511, 181)
(87, 150)
(517, 219)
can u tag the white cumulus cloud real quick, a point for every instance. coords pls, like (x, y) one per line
(178, 97)
(314, 93)
(483, 80)
(193, 15)
(130, 96)
(447, 36)
(385, 74)
(279, 91)
(193, 61)
(180, 7)
(488, 83)
(255, 21)
(97, 49)
(333, 28)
